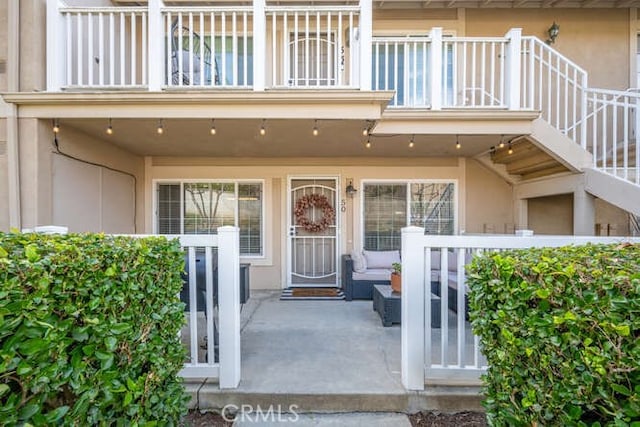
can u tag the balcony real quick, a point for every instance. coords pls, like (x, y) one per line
(265, 46)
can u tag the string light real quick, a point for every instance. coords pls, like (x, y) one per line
(368, 144)
(109, 128)
(458, 143)
(315, 128)
(160, 128)
(56, 126)
(510, 151)
(213, 127)
(411, 143)
(501, 145)
(263, 130)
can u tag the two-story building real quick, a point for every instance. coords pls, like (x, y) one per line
(319, 127)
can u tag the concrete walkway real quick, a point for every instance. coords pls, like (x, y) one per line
(322, 357)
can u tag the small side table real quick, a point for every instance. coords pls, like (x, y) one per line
(388, 305)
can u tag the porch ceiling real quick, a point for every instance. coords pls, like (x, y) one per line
(283, 138)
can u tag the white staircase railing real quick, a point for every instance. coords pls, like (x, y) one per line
(555, 86)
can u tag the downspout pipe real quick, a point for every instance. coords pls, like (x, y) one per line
(13, 85)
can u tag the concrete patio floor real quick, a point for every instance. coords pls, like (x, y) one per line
(323, 356)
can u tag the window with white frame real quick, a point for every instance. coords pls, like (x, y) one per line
(387, 207)
(201, 207)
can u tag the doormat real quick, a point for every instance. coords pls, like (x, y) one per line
(290, 294)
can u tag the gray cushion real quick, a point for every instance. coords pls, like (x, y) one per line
(373, 274)
(359, 262)
(381, 259)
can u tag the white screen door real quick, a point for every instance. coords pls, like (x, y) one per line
(313, 232)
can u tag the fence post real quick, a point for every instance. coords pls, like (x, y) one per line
(513, 68)
(229, 305)
(366, 40)
(413, 308)
(260, 45)
(156, 39)
(435, 71)
(56, 47)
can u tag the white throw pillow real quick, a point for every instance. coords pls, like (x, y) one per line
(359, 263)
(381, 259)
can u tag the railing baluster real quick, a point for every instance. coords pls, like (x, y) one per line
(274, 51)
(625, 141)
(245, 53)
(143, 59)
(133, 42)
(112, 48)
(100, 49)
(295, 49)
(90, 48)
(318, 51)
(79, 34)
(190, 52)
(234, 46)
(215, 77)
(202, 42)
(123, 32)
(223, 48)
(286, 72)
(306, 49)
(339, 53)
(169, 33)
(483, 73)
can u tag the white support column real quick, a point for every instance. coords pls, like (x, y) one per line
(229, 305)
(156, 61)
(435, 70)
(413, 308)
(56, 46)
(584, 213)
(365, 42)
(513, 67)
(260, 45)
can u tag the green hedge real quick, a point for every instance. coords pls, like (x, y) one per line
(89, 330)
(561, 331)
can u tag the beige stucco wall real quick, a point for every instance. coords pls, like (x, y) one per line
(489, 201)
(592, 38)
(611, 220)
(551, 215)
(36, 174)
(4, 184)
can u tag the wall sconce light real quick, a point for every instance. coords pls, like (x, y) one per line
(350, 190)
(554, 31)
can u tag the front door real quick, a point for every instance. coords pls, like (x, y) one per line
(313, 232)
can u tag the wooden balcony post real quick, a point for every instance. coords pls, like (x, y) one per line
(56, 47)
(156, 40)
(513, 68)
(366, 40)
(435, 71)
(259, 45)
(413, 308)
(229, 305)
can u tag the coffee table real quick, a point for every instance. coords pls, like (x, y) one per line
(388, 306)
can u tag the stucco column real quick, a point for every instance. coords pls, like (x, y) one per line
(35, 147)
(521, 213)
(584, 213)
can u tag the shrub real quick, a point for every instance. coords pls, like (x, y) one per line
(560, 328)
(89, 330)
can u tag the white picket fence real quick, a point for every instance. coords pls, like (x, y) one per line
(219, 324)
(450, 352)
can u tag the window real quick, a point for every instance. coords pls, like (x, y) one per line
(390, 206)
(202, 207)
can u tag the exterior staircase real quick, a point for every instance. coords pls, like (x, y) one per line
(581, 130)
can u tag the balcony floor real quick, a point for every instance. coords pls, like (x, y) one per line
(324, 356)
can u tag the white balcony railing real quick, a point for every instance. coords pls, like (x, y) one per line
(208, 47)
(312, 47)
(103, 47)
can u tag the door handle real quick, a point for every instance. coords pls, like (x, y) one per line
(292, 231)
